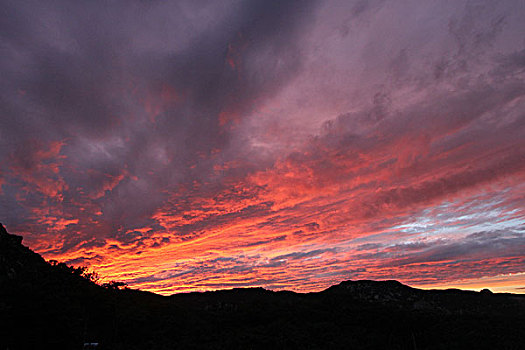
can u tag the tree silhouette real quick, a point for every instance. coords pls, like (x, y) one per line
(81, 271)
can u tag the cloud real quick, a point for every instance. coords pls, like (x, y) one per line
(136, 117)
(265, 143)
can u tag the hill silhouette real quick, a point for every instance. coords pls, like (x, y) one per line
(50, 305)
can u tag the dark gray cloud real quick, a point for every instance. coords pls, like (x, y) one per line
(302, 255)
(473, 247)
(135, 92)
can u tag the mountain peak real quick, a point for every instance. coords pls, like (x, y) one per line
(375, 291)
(3, 231)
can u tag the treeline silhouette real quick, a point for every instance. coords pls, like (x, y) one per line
(49, 305)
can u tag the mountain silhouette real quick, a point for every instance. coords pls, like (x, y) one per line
(49, 305)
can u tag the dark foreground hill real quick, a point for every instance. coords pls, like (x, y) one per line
(52, 306)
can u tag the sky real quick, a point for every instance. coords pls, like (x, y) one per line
(200, 145)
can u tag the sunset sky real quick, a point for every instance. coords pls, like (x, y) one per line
(201, 145)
